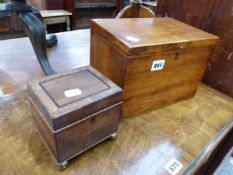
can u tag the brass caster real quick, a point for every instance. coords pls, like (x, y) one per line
(113, 136)
(62, 165)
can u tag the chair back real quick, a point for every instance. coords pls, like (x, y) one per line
(135, 10)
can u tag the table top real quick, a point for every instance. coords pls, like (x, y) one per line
(19, 64)
(187, 131)
(54, 13)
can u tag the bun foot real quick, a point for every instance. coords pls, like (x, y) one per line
(62, 165)
(113, 136)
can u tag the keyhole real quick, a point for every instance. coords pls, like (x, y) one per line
(93, 120)
(178, 55)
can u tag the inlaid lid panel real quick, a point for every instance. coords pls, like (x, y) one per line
(72, 87)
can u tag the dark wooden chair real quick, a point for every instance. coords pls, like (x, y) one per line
(84, 10)
(135, 10)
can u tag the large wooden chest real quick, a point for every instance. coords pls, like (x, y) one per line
(75, 110)
(157, 61)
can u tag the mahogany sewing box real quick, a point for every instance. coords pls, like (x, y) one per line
(156, 61)
(74, 110)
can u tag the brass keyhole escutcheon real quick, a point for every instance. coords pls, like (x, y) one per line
(93, 120)
(178, 55)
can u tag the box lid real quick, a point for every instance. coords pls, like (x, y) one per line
(79, 93)
(148, 35)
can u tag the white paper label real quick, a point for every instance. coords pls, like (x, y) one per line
(173, 167)
(72, 92)
(132, 39)
(157, 65)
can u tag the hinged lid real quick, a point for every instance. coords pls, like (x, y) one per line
(68, 97)
(136, 36)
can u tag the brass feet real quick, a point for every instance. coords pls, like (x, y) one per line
(113, 136)
(62, 165)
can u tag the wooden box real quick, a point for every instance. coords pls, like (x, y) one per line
(157, 61)
(75, 110)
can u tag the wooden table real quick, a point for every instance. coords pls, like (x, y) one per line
(56, 17)
(188, 131)
(19, 63)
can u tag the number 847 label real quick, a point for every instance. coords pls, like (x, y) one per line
(173, 167)
(157, 65)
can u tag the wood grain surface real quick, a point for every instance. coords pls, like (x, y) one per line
(19, 64)
(144, 145)
(143, 36)
(219, 74)
(192, 12)
(128, 62)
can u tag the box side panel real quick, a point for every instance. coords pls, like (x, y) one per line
(77, 138)
(107, 59)
(44, 131)
(179, 79)
(77, 114)
(39, 105)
